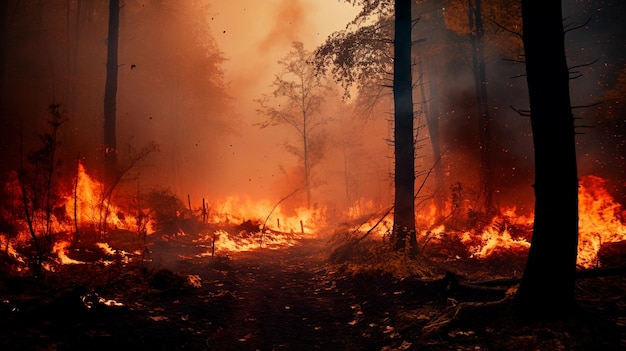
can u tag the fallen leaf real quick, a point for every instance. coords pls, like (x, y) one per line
(158, 318)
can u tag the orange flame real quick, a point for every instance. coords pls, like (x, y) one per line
(60, 249)
(91, 205)
(235, 210)
(600, 219)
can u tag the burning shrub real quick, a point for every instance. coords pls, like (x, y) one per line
(166, 209)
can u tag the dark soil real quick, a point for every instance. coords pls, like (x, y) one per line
(285, 299)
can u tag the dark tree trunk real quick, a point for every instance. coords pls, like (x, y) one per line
(547, 287)
(110, 93)
(404, 148)
(482, 104)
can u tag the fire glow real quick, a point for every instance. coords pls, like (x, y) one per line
(234, 225)
(601, 221)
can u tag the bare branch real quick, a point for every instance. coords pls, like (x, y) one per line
(587, 106)
(517, 34)
(577, 27)
(523, 113)
(584, 64)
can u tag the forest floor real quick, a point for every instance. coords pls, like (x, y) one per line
(284, 299)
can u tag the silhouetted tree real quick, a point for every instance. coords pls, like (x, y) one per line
(110, 92)
(547, 287)
(477, 34)
(404, 143)
(362, 58)
(303, 90)
(39, 189)
(487, 26)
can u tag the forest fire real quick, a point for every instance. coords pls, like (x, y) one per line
(88, 214)
(297, 174)
(236, 225)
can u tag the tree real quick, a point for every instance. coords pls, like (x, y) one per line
(110, 92)
(491, 27)
(477, 33)
(547, 286)
(303, 90)
(38, 188)
(362, 58)
(404, 144)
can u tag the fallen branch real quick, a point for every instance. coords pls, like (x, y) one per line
(272, 211)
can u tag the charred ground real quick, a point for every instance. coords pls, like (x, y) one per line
(298, 297)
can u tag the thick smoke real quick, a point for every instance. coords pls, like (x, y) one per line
(190, 72)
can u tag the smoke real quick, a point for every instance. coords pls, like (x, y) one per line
(190, 72)
(288, 24)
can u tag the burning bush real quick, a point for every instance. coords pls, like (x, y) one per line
(166, 210)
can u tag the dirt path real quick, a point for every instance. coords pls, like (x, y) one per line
(287, 300)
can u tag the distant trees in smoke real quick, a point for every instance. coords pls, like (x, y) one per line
(170, 82)
(296, 101)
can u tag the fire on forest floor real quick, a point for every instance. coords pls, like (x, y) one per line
(177, 273)
(203, 302)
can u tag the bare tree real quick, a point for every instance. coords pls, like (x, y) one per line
(302, 91)
(39, 191)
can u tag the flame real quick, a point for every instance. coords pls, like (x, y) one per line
(494, 238)
(600, 219)
(92, 206)
(11, 251)
(60, 249)
(275, 229)
(235, 210)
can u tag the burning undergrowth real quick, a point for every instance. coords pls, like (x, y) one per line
(89, 225)
(466, 241)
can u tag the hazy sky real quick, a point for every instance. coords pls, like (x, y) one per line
(253, 36)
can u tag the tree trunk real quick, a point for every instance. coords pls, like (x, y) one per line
(482, 105)
(404, 148)
(110, 93)
(305, 157)
(547, 287)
